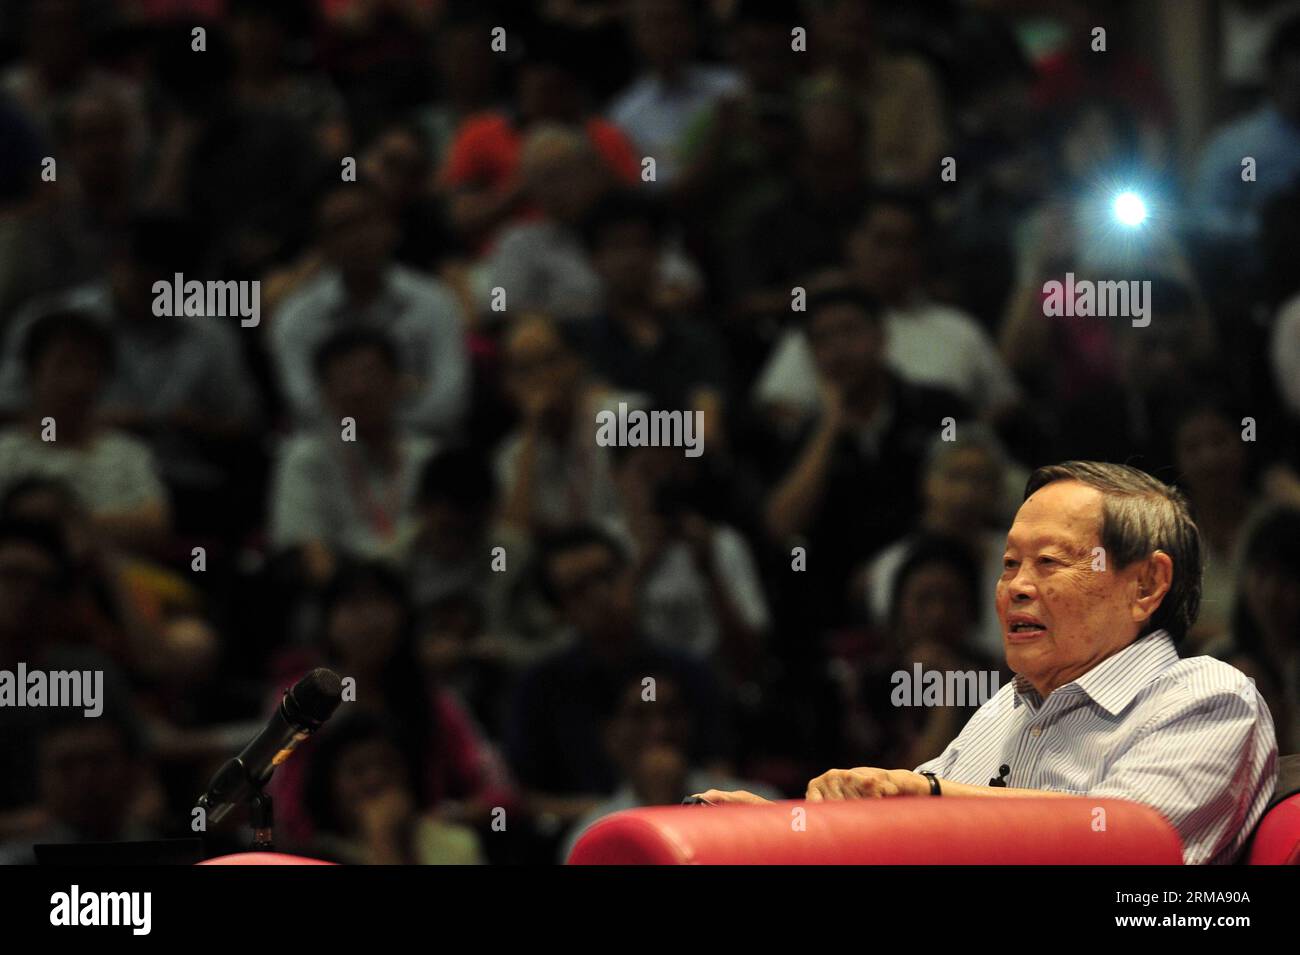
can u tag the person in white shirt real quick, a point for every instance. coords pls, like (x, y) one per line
(657, 108)
(68, 357)
(349, 485)
(363, 287)
(926, 342)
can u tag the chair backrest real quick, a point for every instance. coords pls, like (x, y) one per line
(1031, 831)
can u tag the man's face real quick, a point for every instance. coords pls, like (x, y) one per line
(848, 346)
(1077, 616)
(27, 583)
(357, 236)
(67, 378)
(762, 53)
(545, 91)
(662, 32)
(540, 367)
(624, 258)
(593, 590)
(365, 770)
(564, 182)
(365, 629)
(964, 488)
(1210, 453)
(934, 607)
(100, 141)
(1273, 597)
(884, 252)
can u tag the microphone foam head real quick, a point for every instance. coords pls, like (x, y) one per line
(318, 694)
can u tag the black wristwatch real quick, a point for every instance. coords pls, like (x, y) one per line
(934, 784)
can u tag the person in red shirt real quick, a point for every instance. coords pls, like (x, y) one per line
(480, 173)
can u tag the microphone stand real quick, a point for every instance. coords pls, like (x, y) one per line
(261, 816)
(261, 819)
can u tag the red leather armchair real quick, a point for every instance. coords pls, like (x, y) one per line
(263, 858)
(920, 831)
(1277, 838)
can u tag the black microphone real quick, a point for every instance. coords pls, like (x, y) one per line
(1001, 778)
(305, 707)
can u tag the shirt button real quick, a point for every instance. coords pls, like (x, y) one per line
(1036, 731)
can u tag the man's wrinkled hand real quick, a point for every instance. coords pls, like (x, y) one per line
(866, 782)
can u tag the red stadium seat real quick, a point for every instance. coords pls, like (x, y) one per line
(263, 858)
(1277, 839)
(920, 831)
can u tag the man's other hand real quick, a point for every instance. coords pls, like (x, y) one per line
(735, 797)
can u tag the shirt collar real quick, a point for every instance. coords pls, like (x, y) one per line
(1114, 682)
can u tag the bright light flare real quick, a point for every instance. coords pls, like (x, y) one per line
(1130, 209)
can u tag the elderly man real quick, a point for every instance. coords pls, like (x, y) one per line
(1101, 578)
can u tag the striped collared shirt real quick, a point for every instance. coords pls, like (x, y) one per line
(1191, 738)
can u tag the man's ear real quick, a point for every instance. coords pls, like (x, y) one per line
(1154, 579)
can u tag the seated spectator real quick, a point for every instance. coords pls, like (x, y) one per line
(263, 79)
(394, 161)
(453, 505)
(58, 67)
(41, 627)
(72, 238)
(672, 88)
(1158, 368)
(461, 655)
(738, 154)
(935, 609)
(639, 343)
(550, 470)
(1072, 73)
(368, 635)
(1227, 207)
(648, 741)
(1265, 638)
(179, 382)
(120, 601)
(468, 75)
(698, 590)
(555, 742)
(900, 93)
(845, 485)
(963, 489)
(363, 797)
(95, 784)
(68, 358)
(361, 286)
(807, 226)
(1215, 469)
(350, 486)
(886, 257)
(541, 264)
(483, 174)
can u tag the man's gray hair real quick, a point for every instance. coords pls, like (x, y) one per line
(1142, 515)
